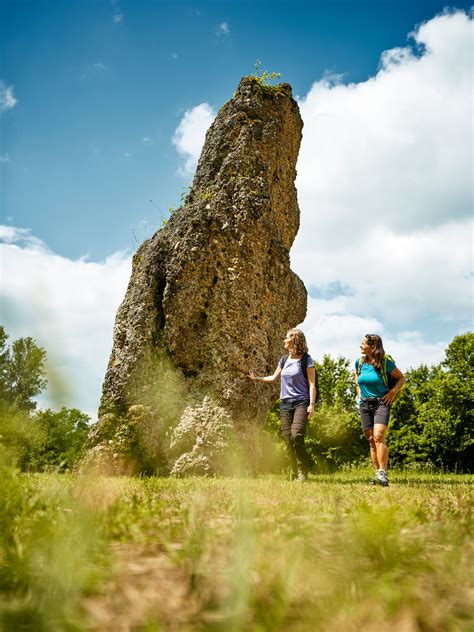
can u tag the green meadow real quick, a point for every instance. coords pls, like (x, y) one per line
(85, 552)
(334, 553)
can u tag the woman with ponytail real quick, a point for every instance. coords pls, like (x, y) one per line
(374, 373)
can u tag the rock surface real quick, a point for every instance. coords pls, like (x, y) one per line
(211, 294)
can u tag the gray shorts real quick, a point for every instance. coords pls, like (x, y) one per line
(373, 411)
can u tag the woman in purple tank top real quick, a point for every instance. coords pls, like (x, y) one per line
(297, 399)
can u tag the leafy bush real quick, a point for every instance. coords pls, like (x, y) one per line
(46, 440)
(335, 440)
(64, 438)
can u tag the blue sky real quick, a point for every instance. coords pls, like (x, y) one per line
(104, 106)
(90, 89)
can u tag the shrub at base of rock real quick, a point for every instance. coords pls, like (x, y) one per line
(203, 441)
(137, 445)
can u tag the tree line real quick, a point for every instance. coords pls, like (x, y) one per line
(431, 422)
(39, 440)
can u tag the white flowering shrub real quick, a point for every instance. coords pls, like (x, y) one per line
(203, 441)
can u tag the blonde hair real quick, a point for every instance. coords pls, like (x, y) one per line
(298, 341)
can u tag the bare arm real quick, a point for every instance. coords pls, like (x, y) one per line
(401, 379)
(266, 378)
(356, 379)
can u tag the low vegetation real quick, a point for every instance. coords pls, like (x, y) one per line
(236, 553)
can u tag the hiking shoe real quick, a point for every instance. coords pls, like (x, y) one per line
(301, 477)
(382, 478)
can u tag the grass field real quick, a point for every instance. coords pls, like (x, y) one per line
(236, 554)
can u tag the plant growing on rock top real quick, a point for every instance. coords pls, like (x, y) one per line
(263, 77)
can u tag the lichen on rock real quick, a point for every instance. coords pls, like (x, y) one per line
(211, 294)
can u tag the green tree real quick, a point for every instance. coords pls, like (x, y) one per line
(432, 421)
(336, 383)
(22, 372)
(64, 435)
(460, 356)
(35, 440)
(4, 366)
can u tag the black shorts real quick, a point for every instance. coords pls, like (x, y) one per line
(373, 411)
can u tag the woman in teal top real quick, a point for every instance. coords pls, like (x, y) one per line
(375, 399)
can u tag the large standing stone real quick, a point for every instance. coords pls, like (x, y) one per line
(211, 294)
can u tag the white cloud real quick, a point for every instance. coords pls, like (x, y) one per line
(331, 328)
(67, 306)
(188, 137)
(396, 149)
(7, 98)
(399, 278)
(22, 236)
(127, 154)
(118, 15)
(4, 158)
(94, 70)
(174, 56)
(385, 183)
(223, 29)
(146, 140)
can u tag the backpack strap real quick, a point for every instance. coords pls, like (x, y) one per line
(304, 369)
(384, 369)
(304, 366)
(359, 365)
(385, 375)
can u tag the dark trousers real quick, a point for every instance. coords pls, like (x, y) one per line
(294, 421)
